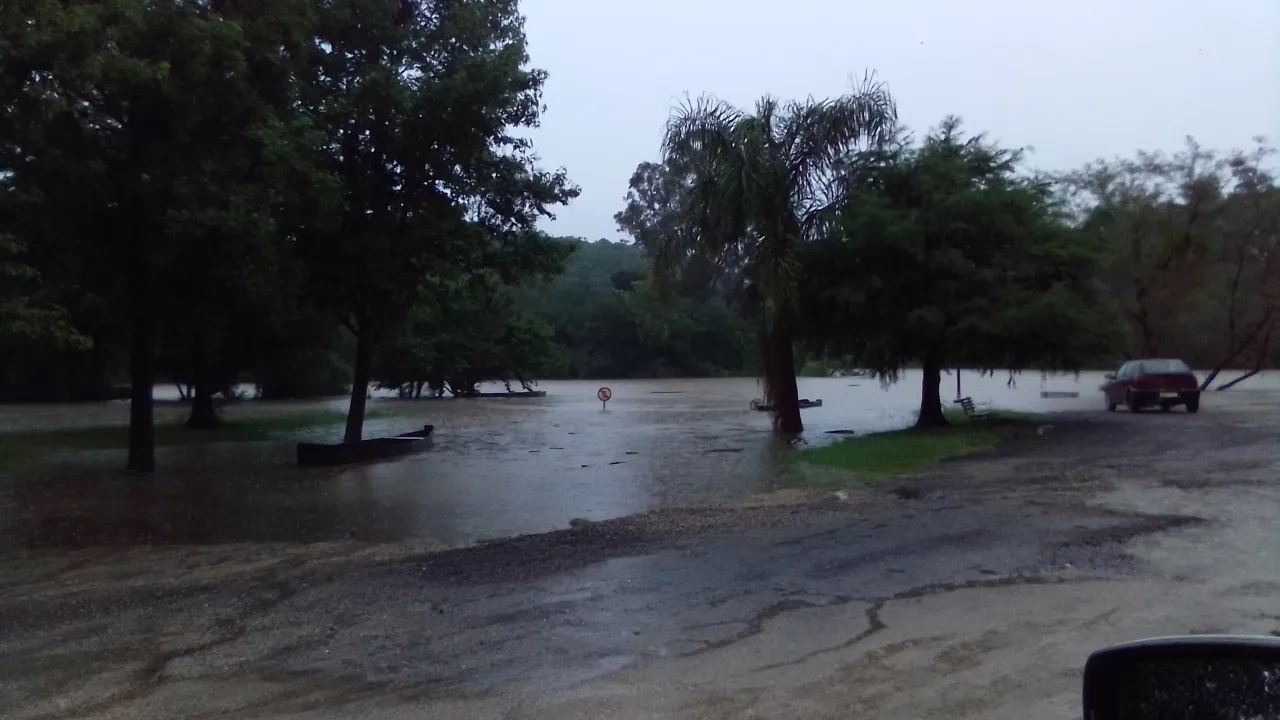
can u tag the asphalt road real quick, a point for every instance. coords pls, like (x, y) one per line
(975, 590)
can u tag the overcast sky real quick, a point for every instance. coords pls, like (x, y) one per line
(1076, 80)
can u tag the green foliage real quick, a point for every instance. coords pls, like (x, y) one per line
(103, 119)
(24, 314)
(638, 333)
(657, 217)
(100, 116)
(336, 156)
(417, 109)
(1192, 255)
(465, 332)
(587, 279)
(945, 255)
(610, 322)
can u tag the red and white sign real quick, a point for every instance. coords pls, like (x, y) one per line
(604, 394)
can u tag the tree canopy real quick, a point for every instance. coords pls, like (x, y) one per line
(1192, 250)
(100, 117)
(417, 109)
(283, 162)
(946, 255)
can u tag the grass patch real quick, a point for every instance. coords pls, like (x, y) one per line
(887, 454)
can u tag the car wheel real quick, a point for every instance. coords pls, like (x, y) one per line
(1165, 407)
(1193, 405)
(1111, 407)
(1133, 407)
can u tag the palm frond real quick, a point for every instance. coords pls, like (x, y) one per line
(761, 182)
(827, 135)
(700, 126)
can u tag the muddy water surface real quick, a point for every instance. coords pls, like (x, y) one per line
(499, 467)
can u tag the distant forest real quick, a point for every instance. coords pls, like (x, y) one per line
(609, 321)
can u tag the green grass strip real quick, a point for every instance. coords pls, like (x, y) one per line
(898, 452)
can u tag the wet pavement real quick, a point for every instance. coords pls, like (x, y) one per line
(981, 597)
(500, 467)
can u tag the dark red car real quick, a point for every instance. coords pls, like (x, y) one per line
(1162, 383)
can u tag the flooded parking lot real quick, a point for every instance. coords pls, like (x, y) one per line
(980, 595)
(500, 467)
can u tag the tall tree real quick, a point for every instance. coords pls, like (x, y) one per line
(1247, 282)
(656, 219)
(418, 101)
(754, 188)
(235, 212)
(946, 255)
(126, 111)
(1192, 249)
(1156, 214)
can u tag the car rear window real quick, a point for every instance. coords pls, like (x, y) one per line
(1164, 367)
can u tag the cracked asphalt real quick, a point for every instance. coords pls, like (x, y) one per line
(980, 596)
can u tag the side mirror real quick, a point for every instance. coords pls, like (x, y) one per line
(1207, 676)
(1110, 376)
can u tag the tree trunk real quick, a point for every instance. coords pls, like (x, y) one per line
(359, 387)
(780, 381)
(1231, 357)
(1263, 351)
(931, 395)
(1242, 378)
(1236, 349)
(203, 415)
(1213, 375)
(142, 376)
(1222, 365)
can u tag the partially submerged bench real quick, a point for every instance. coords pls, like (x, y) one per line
(971, 411)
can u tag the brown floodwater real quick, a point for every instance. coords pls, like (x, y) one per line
(500, 467)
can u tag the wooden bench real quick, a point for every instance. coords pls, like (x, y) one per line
(971, 411)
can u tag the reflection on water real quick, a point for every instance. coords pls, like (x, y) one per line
(500, 467)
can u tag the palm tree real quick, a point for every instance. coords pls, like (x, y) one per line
(754, 187)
